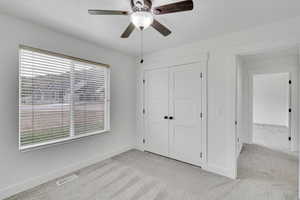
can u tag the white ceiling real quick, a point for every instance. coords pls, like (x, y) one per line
(209, 18)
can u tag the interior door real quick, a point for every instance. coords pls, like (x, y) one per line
(185, 106)
(156, 116)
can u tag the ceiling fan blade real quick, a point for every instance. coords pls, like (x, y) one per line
(107, 12)
(128, 31)
(174, 7)
(161, 28)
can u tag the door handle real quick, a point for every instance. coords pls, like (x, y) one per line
(171, 118)
(166, 117)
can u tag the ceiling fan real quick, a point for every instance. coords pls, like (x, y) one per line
(142, 15)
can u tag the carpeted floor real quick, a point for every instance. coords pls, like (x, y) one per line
(263, 175)
(272, 136)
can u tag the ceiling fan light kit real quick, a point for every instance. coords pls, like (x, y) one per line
(142, 19)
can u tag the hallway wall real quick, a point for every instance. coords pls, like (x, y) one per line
(271, 99)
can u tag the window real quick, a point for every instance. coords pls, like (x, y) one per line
(61, 98)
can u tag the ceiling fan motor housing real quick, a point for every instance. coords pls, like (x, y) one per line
(141, 5)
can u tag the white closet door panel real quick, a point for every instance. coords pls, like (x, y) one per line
(156, 101)
(185, 107)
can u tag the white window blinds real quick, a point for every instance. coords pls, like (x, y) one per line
(89, 99)
(60, 98)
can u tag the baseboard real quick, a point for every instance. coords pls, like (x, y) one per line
(229, 173)
(31, 183)
(138, 147)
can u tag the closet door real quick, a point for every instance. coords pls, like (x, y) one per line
(185, 106)
(156, 104)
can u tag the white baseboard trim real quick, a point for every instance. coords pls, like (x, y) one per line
(139, 147)
(31, 183)
(208, 167)
(230, 173)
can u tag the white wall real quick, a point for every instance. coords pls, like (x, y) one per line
(21, 170)
(221, 141)
(271, 99)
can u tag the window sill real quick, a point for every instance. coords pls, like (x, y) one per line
(58, 142)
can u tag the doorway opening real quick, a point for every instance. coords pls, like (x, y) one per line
(267, 100)
(267, 120)
(271, 111)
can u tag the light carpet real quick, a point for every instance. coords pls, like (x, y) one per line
(263, 175)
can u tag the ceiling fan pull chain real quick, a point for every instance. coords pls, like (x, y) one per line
(142, 47)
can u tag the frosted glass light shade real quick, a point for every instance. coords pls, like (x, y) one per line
(142, 19)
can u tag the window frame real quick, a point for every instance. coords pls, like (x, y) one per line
(72, 137)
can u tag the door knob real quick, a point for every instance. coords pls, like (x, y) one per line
(166, 117)
(171, 118)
